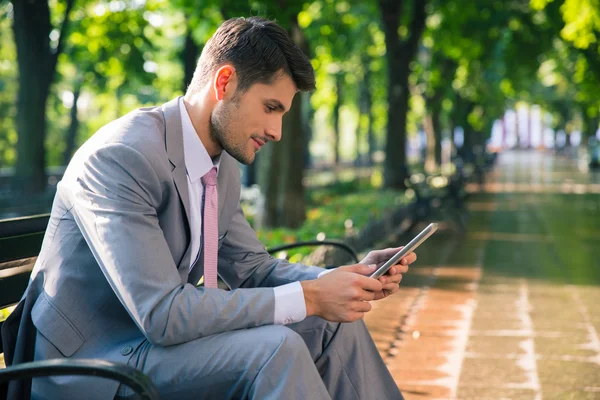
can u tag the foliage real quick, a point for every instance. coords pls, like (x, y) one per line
(329, 218)
(476, 59)
(8, 88)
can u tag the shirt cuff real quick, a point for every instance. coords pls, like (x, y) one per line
(290, 306)
(325, 272)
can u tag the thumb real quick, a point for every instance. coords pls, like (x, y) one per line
(362, 269)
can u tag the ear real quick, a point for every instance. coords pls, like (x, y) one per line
(225, 82)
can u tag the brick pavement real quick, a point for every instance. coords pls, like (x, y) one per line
(499, 313)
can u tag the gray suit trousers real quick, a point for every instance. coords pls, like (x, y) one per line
(313, 359)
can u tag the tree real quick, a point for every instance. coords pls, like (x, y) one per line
(38, 46)
(400, 53)
(284, 191)
(105, 53)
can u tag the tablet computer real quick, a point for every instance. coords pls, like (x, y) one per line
(409, 248)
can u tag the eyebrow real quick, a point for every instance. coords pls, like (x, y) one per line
(276, 104)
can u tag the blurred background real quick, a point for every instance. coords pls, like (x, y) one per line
(402, 86)
(488, 110)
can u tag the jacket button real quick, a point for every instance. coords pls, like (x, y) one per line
(127, 350)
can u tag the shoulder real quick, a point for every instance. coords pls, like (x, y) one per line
(141, 131)
(133, 145)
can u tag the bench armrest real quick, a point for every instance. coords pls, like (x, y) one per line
(125, 374)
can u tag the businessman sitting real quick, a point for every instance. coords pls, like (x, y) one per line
(148, 206)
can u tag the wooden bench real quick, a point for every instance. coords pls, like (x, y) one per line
(20, 243)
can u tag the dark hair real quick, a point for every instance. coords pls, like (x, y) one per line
(258, 49)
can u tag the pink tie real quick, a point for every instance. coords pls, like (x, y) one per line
(210, 228)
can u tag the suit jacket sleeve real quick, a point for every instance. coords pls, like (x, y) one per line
(244, 262)
(115, 197)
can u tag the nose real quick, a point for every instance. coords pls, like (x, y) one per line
(273, 132)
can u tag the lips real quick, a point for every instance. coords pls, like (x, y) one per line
(258, 143)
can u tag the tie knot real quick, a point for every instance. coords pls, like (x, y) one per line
(210, 178)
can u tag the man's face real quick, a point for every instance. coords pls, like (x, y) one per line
(243, 124)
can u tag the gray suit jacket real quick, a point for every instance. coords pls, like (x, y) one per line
(114, 266)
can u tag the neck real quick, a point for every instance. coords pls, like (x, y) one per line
(199, 108)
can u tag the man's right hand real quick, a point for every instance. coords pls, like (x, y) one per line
(341, 295)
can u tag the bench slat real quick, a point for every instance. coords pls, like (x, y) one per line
(12, 287)
(18, 247)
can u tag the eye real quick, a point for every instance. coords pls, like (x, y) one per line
(269, 109)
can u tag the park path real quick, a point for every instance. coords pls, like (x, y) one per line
(511, 308)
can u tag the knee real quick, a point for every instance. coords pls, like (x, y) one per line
(283, 339)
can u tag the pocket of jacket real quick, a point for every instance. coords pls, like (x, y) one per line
(56, 327)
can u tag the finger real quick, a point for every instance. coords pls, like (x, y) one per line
(364, 295)
(393, 279)
(391, 288)
(370, 284)
(361, 269)
(401, 269)
(397, 269)
(409, 259)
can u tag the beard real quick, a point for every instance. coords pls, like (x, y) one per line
(221, 132)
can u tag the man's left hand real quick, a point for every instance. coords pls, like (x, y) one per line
(391, 279)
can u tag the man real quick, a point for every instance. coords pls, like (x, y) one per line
(148, 206)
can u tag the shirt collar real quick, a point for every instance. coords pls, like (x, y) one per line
(197, 160)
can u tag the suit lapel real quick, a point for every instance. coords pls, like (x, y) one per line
(174, 145)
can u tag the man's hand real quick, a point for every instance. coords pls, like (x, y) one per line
(342, 295)
(392, 278)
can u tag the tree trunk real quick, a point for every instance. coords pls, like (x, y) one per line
(366, 102)
(189, 58)
(336, 115)
(468, 143)
(399, 54)
(31, 28)
(453, 125)
(284, 194)
(250, 172)
(294, 205)
(73, 127)
(436, 125)
(429, 145)
(462, 116)
(37, 65)
(273, 186)
(358, 159)
(590, 125)
(308, 122)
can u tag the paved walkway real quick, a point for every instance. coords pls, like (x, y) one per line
(509, 310)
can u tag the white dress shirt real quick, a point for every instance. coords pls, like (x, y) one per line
(289, 299)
